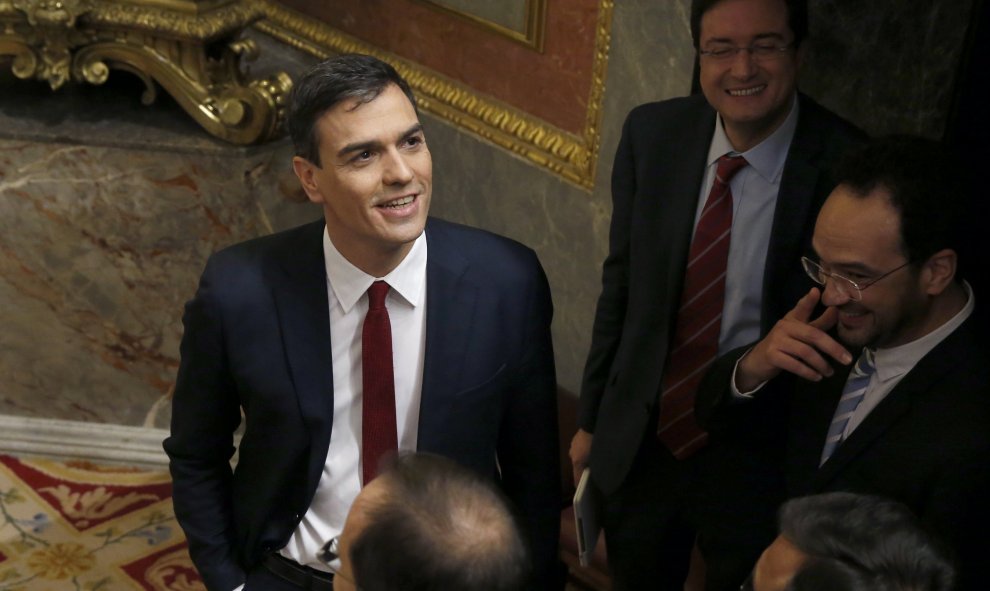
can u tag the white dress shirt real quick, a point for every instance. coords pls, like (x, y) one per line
(754, 199)
(347, 288)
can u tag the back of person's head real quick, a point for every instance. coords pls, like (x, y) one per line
(797, 18)
(329, 83)
(829, 574)
(924, 184)
(438, 526)
(854, 540)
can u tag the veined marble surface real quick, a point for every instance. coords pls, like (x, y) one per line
(99, 249)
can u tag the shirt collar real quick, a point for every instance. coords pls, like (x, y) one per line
(350, 283)
(896, 361)
(769, 156)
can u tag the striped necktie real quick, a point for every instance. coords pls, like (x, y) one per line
(699, 319)
(852, 395)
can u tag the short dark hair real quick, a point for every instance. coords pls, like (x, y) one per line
(797, 19)
(924, 184)
(851, 537)
(346, 76)
(439, 526)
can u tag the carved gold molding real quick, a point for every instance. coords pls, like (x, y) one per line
(188, 47)
(533, 31)
(573, 157)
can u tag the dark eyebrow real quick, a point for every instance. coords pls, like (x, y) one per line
(373, 144)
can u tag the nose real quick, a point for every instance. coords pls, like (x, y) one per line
(743, 64)
(832, 294)
(397, 171)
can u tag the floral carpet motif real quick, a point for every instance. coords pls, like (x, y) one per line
(78, 526)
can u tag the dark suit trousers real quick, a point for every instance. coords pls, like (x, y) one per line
(646, 522)
(652, 520)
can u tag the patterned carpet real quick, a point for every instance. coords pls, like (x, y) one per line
(77, 526)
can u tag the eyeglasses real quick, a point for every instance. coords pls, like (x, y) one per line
(845, 286)
(762, 51)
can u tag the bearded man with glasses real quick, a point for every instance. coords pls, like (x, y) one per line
(886, 391)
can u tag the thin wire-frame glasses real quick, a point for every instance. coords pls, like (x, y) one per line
(761, 51)
(847, 287)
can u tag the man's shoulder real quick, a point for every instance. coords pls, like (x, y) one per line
(260, 246)
(830, 128)
(251, 261)
(671, 112)
(488, 252)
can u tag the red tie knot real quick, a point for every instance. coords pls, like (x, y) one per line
(376, 295)
(728, 166)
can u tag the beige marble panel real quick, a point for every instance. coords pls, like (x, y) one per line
(99, 249)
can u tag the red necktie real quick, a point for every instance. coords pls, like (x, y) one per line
(699, 318)
(378, 434)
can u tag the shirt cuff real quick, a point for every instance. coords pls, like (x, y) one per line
(736, 394)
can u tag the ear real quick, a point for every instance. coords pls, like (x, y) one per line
(939, 271)
(306, 173)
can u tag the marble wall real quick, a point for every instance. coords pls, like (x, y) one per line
(101, 243)
(888, 65)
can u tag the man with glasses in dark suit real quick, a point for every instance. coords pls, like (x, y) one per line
(886, 392)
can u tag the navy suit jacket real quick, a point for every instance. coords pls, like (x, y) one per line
(656, 180)
(927, 444)
(257, 338)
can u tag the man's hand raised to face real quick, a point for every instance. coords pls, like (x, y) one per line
(796, 344)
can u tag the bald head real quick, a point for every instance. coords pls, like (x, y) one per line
(428, 523)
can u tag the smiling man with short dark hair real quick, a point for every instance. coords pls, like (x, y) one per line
(373, 330)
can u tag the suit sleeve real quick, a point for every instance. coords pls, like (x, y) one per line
(757, 424)
(715, 391)
(528, 444)
(610, 313)
(205, 412)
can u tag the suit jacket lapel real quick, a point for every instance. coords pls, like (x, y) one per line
(812, 411)
(300, 296)
(795, 198)
(450, 308)
(671, 201)
(677, 191)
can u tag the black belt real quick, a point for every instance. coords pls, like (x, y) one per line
(301, 576)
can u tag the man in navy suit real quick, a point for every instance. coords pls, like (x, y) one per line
(275, 333)
(657, 497)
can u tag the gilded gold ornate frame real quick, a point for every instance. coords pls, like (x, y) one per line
(530, 36)
(191, 48)
(573, 157)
